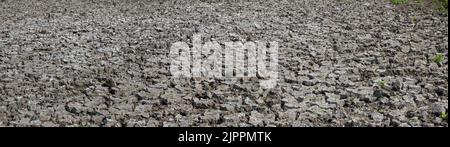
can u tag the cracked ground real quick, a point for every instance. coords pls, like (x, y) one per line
(74, 63)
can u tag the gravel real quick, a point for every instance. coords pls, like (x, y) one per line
(106, 63)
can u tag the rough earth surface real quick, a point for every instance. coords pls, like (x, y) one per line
(105, 63)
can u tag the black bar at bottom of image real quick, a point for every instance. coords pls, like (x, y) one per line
(213, 136)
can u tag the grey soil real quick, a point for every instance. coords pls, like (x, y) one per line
(105, 63)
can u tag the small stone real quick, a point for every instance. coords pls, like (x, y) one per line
(256, 118)
(49, 124)
(368, 99)
(74, 107)
(365, 92)
(142, 95)
(395, 114)
(154, 93)
(405, 49)
(143, 110)
(112, 123)
(135, 123)
(109, 82)
(211, 116)
(169, 96)
(202, 103)
(258, 26)
(419, 98)
(158, 29)
(170, 124)
(437, 108)
(440, 91)
(249, 101)
(290, 79)
(332, 98)
(384, 100)
(289, 102)
(152, 123)
(234, 37)
(378, 117)
(379, 93)
(98, 119)
(396, 85)
(289, 115)
(404, 125)
(235, 117)
(35, 123)
(308, 83)
(226, 107)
